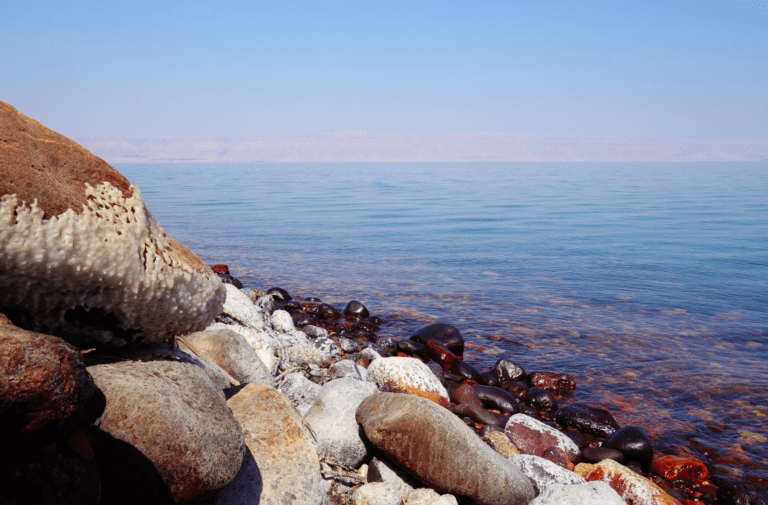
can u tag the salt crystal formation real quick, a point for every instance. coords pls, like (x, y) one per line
(81, 256)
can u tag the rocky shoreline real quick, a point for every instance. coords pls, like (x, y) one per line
(132, 372)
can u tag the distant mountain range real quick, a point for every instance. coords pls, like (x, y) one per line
(351, 146)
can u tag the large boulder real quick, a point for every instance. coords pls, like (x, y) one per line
(176, 418)
(81, 256)
(281, 466)
(440, 450)
(44, 388)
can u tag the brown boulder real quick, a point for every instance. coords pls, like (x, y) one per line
(81, 257)
(281, 465)
(44, 388)
(177, 419)
(440, 450)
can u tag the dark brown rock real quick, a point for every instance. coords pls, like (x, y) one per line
(441, 451)
(173, 414)
(590, 419)
(443, 333)
(44, 389)
(555, 382)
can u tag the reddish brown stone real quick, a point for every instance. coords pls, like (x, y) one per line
(465, 394)
(44, 388)
(533, 437)
(673, 468)
(557, 456)
(220, 269)
(442, 356)
(555, 382)
(39, 164)
(633, 488)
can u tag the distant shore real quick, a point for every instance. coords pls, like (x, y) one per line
(353, 146)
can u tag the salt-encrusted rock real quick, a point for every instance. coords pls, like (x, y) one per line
(348, 368)
(370, 354)
(377, 493)
(282, 322)
(300, 390)
(292, 338)
(81, 256)
(347, 345)
(328, 347)
(633, 488)
(379, 471)
(232, 353)
(307, 355)
(440, 450)
(261, 342)
(587, 493)
(407, 375)
(238, 304)
(543, 473)
(173, 415)
(332, 420)
(285, 467)
(44, 388)
(426, 496)
(531, 436)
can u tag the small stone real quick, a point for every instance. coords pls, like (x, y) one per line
(442, 333)
(595, 421)
(355, 310)
(300, 390)
(282, 322)
(689, 470)
(544, 473)
(633, 443)
(541, 399)
(505, 370)
(407, 375)
(377, 493)
(427, 496)
(348, 368)
(555, 382)
(279, 294)
(531, 436)
(597, 454)
(313, 332)
(328, 312)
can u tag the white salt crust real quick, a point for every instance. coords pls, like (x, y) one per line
(407, 373)
(112, 256)
(563, 442)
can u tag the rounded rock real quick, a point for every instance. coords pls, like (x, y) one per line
(279, 294)
(541, 399)
(633, 443)
(442, 333)
(505, 370)
(355, 310)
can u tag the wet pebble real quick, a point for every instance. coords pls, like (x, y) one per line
(505, 370)
(595, 421)
(280, 295)
(555, 382)
(355, 310)
(597, 454)
(541, 399)
(302, 318)
(497, 398)
(633, 443)
(328, 312)
(442, 333)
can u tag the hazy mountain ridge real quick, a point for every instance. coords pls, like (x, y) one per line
(351, 146)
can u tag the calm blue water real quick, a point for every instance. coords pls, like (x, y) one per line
(646, 281)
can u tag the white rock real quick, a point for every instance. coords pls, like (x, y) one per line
(301, 391)
(544, 473)
(370, 354)
(588, 493)
(306, 355)
(282, 322)
(239, 305)
(407, 375)
(332, 420)
(427, 496)
(328, 347)
(377, 493)
(379, 471)
(315, 331)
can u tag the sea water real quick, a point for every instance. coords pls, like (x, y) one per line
(648, 282)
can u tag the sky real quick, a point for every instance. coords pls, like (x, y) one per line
(678, 70)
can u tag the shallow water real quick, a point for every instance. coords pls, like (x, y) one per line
(646, 281)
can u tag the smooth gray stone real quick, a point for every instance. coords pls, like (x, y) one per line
(440, 450)
(379, 471)
(587, 493)
(544, 473)
(348, 368)
(332, 420)
(307, 355)
(301, 391)
(315, 331)
(232, 353)
(328, 347)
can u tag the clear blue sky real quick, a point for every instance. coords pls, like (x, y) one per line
(693, 69)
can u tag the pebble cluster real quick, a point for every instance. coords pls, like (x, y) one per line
(526, 417)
